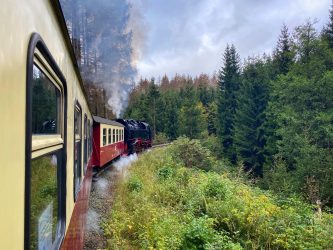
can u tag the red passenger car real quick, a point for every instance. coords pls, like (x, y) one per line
(108, 141)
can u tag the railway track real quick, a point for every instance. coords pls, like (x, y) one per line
(161, 145)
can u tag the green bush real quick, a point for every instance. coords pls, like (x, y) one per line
(160, 138)
(134, 184)
(198, 233)
(192, 154)
(165, 173)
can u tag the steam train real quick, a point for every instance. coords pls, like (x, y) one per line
(112, 139)
(50, 141)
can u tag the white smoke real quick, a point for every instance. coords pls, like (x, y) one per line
(102, 185)
(124, 163)
(93, 221)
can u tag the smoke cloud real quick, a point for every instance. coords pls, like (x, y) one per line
(108, 38)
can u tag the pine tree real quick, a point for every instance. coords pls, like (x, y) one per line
(153, 95)
(229, 80)
(192, 119)
(328, 30)
(250, 116)
(283, 55)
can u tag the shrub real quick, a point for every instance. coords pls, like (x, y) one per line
(165, 173)
(216, 188)
(160, 138)
(198, 233)
(134, 184)
(192, 154)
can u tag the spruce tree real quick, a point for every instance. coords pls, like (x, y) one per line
(249, 138)
(283, 55)
(153, 95)
(328, 30)
(229, 81)
(192, 119)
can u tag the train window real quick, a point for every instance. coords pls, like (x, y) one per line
(109, 136)
(44, 199)
(104, 136)
(114, 135)
(91, 137)
(45, 180)
(45, 103)
(85, 153)
(77, 149)
(117, 135)
(89, 134)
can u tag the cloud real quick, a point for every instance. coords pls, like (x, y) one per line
(189, 37)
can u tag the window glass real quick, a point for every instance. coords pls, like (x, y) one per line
(114, 135)
(109, 136)
(77, 150)
(104, 136)
(44, 200)
(85, 153)
(45, 104)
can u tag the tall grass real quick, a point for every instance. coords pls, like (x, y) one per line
(164, 205)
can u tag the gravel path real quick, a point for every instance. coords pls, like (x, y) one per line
(101, 200)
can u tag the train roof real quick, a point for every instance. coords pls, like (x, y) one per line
(106, 121)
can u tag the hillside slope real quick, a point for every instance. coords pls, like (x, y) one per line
(166, 203)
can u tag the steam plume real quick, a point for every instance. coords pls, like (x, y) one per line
(108, 38)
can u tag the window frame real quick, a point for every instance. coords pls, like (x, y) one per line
(41, 145)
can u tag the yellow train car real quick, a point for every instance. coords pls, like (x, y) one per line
(46, 130)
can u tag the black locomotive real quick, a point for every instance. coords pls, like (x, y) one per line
(138, 135)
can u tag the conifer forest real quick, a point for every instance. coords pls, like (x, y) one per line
(273, 114)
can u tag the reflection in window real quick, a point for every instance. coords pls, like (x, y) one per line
(85, 153)
(109, 136)
(104, 136)
(45, 104)
(44, 200)
(77, 151)
(114, 136)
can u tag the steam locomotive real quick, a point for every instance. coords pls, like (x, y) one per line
(138, 135)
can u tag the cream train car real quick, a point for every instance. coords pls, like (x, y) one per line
(45, 133)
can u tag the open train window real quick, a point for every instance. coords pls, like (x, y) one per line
(77, 149)
(45, 176)
(109, 136)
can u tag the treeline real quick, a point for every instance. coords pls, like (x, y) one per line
(272, 113)
(175, 107)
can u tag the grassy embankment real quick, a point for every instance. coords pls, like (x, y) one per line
(171, 201)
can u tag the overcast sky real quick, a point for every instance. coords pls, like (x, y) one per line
(189, 36)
